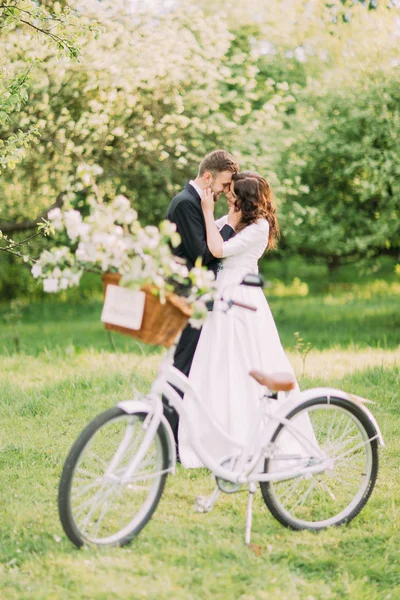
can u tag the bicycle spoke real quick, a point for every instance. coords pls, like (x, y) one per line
(84, 472)
(349, 426)
(97, 458)
(104, 509)
(342, 482)
(294, 487)
(331, 428)
(326, 488)
(329, 496)
(86, 488)
(360, 445)
(303, 498)
(92, 503)
(103, 506)
(341, 446)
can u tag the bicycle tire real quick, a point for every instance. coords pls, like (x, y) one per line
(275, 493)
(109, 426)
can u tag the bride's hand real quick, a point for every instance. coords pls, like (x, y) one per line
(234, 216)
(207, 201)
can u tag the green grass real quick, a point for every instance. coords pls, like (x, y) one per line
(67, 373)
(328, 321)
(325, 321)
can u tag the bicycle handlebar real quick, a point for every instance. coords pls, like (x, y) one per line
(243, 305)
(210, 304)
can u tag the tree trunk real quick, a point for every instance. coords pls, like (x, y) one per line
(333, 263)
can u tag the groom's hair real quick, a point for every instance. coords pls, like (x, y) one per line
(217, 161)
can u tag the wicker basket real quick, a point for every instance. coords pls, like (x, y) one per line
(161, 322)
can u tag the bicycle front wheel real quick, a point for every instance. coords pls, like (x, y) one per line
(97, 504)
(336, 495)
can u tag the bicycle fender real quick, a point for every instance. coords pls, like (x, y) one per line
(298, 398)
(135, 406)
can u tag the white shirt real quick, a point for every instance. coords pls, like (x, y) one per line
(196, 187)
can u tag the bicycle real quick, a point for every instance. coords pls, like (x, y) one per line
(116, 470)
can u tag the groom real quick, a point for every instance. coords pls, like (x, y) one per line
(215, 172)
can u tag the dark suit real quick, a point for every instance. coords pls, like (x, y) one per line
(186, 212)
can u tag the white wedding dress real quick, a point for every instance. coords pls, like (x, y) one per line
(230, 346)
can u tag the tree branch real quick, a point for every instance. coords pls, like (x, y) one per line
(14, 245)
(26, 225)
(54, 37)
(28, 259)
(57, 39)
(26, 12)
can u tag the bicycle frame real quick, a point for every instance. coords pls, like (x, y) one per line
(250, 453)
(258, 443)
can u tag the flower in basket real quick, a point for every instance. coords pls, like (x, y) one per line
(111, 239)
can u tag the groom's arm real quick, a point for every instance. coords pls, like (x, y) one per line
(227, 232)
(225, 229)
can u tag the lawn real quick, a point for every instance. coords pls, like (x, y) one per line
(67, 371)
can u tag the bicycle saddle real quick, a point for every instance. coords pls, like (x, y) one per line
(277, 382)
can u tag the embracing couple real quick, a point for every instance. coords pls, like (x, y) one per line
(217, 359)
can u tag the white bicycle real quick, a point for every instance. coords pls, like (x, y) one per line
(116, 470)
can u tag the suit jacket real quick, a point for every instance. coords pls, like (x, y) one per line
(186, 212)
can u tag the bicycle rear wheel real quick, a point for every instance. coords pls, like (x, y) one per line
(96, 505)
(334, 496)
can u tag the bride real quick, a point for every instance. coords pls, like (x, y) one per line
(232, 344)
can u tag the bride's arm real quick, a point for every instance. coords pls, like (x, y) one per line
(257, 233)
(221, 222)
(214, 238)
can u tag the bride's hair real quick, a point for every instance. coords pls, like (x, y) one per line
(254, 198)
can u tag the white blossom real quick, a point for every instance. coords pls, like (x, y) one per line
(83, 230)
(199, 314)
(175, 240)
(55, 216)
(75, 278)
(167, 228)
(36, 270)
(178, 268)
(63, 283)
(300, 54)
(130, 216)
(73, 221)
(196, 323)
(121, 202)
(50, 285)
(201, 278)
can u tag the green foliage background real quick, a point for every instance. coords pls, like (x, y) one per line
(306, 92)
